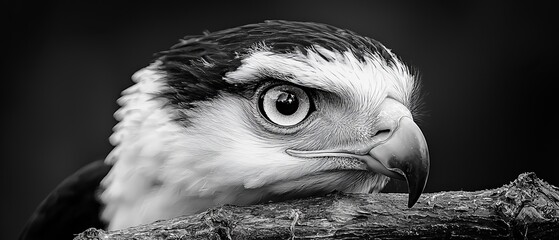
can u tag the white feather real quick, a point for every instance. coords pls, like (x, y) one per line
(365, 82)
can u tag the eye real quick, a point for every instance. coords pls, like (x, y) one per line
(285, 105)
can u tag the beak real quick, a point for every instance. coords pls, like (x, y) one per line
(403, 155)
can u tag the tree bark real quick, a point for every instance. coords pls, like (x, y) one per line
(527, 208)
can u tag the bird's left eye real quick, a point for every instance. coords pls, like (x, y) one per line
(285, 105)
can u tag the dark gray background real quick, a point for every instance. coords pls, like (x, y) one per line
(487, 69)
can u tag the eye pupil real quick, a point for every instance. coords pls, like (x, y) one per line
(287, 103)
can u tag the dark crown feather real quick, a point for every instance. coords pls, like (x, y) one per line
(194, 68)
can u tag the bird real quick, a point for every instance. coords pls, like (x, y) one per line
(262, 112)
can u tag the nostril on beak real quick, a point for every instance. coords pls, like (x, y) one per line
(382, 134)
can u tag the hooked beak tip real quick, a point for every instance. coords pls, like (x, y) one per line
(406, 155)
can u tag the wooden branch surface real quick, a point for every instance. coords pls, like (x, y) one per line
(527, 208)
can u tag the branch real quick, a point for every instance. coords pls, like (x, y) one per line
(527, 208)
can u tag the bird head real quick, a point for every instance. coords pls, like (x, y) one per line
(262, 112)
